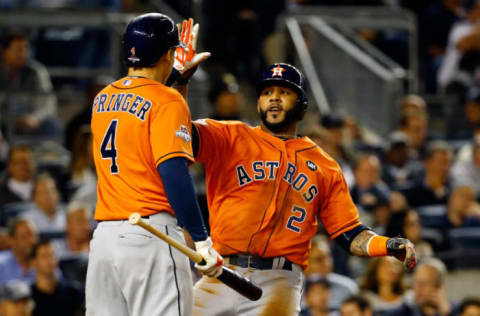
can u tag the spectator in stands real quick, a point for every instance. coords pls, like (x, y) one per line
(14, 263)
(398, 170)
(80, 183)
(463, 210)
(414, 124)
(226, 99)
(384, 283)
(334, 146)
(3, 151)
(78, 232)
(317, 296)
(333, 124)
(18, 184)
(16, 299)
(465, 152)
(82, 169)
(398, 202)
(461, 56)
(321, 263)
(434, 26)
(412, 103)
(428, 297)
(316, 133)
(434, 187)
(464, 121)
(357, 137)
(468, 172)
(356, 306)
(369, 192)
(472, 113)
(52, 295)
(72, 251)
(469, 307)
(46, 212)
(33, 115)
(353, 134)
(406, 223)
(84, 116)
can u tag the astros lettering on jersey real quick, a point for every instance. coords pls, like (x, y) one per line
(122, 114)
(276, 191)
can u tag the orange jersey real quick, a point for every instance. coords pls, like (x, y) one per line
(265, 194)
(137, 123)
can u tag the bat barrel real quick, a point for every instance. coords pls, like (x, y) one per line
(241, 284)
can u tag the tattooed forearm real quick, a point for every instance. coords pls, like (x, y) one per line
(358, 247)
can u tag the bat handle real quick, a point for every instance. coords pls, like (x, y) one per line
(240, 283)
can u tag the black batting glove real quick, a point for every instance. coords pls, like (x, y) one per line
(404, 250)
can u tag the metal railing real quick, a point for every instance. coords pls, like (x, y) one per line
(376, 18)
(346, 73)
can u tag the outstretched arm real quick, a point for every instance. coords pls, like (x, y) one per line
(186, 58)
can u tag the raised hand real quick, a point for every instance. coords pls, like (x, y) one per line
(186, 58)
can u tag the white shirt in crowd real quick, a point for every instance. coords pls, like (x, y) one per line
(45, 224)
(449, 69)
(22, 189)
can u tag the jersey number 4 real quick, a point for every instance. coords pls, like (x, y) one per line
(108, 150)
(298, 217)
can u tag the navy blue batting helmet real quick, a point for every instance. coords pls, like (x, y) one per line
(147, 37)
(284, 75)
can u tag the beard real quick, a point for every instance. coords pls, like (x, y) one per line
(290, 117)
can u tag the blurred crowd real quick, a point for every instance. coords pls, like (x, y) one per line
(413, 183)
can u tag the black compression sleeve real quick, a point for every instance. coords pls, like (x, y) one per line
(181, 196)
(347, 237)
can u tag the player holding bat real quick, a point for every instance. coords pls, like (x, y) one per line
(267, 190)
(142, 145)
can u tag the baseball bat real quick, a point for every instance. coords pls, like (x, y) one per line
(231, 278)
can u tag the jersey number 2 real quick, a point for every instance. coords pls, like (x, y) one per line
(110, 151)
(298, 217)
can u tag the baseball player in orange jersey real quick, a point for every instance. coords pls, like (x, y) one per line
(266, 190)
(141, 146)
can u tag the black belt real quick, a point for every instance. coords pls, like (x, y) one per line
(259, 263)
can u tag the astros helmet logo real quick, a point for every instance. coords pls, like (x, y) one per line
(277, 71)
(132, 57)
